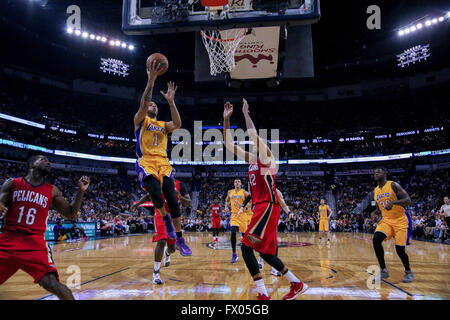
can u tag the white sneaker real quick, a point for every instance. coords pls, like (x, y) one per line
(166, 258)
(156, 279)
(260, 263)
(276, 273)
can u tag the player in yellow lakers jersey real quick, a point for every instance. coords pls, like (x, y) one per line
(325, 213)
(238, 222)
(152, 166)
(395, 222)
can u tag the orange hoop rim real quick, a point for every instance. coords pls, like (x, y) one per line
(224, 40)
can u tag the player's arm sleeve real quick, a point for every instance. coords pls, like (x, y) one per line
(246, 200)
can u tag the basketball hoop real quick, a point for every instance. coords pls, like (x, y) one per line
(221, 46)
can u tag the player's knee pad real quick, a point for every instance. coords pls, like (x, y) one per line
(273, 261)
(378, 238)
(153, 187)
(168, 189)
(250, 260)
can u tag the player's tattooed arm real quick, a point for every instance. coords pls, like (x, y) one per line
(146, 98)
(403, 198)
(170, 97)
(5, 195)
(70, 211)
(144, 199)
(228, 139)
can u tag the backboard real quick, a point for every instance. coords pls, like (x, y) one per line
(140, 17)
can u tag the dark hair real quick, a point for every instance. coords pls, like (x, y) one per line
(383, 169)
(33, 159)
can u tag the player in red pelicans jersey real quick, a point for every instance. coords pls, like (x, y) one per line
(26, 201)
(216, 221)
(261, 234)
(163, 252)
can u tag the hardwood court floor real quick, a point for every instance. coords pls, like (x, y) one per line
(121, 268)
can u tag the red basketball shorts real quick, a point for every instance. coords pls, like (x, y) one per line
(28, 252)
(216, 223)
(261, 233)
(160, 230)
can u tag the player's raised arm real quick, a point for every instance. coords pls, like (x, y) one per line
(170, 97)
(403, 198)
(264, 153)
(146, 98)
(228, 139)
(61, 205)
(5, 195)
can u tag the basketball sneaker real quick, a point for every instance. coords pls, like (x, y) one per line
(275, 272)
(234, 258)
(166, 258)
(263, 297)
(384, 273)
(260, 262)
(297, 288)
(182, 247)
(409, 276)
(156, 279)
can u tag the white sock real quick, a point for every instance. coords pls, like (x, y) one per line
(157, 266)
(290, 276)
(260, 287)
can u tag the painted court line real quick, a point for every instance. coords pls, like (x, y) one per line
(101, 277)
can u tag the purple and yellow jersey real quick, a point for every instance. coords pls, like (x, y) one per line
(384, 195)
(151, 139)
(323, 212)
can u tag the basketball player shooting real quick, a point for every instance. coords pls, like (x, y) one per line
(261, 234)
(152, 166)
(26, 201)
(163, 252)
(396, 222)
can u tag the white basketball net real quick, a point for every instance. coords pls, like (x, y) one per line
(221, 46)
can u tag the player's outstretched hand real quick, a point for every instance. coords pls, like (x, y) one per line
(170, 95)
(227, 110)
(245, 106)
(83, 183)
(154, 70)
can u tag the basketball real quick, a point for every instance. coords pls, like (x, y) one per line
(159, 57)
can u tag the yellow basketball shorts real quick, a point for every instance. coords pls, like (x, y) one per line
(241, 221)
(324, 225)
(400, 229)
(158, 167)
